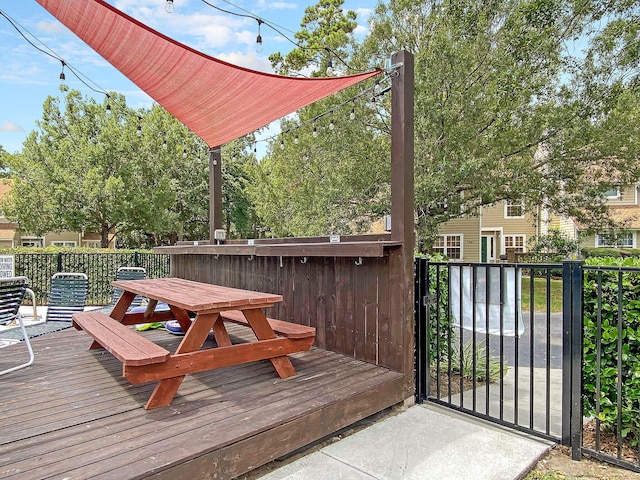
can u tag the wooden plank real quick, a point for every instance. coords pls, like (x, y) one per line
(185, 425)
(154, 451)
(122, 342)
(285, 329)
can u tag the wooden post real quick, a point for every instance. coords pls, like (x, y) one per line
(215, 190)
(402, 88)
(401, 260)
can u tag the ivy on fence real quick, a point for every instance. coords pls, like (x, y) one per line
(611, 355)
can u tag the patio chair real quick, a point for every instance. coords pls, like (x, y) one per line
(12, 292)
(129, 273)
(67, 296)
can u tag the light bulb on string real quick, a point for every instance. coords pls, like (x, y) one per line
(139, 129)
(62, 75)
(164, 143)
(315, 130)
(281, 143)
(352, 115)
(296, 140)
(331, 124)
(330, 68)
(259, 46)
(168, 7)
(184, 153)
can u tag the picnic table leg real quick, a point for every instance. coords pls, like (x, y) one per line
(164, 392)
(263, 331)
(194, 337)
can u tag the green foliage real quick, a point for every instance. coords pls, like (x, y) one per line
(442, 337)
(472, 364)
(326, 31)
(331, 183)
(238, 167)
(551, 248)
(612, 347)
(117, 174)
(610, 252)
(505, 110)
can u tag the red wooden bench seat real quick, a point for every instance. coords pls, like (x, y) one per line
(124, 343)
(284, 329)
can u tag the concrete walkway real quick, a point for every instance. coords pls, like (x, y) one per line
(423, 442)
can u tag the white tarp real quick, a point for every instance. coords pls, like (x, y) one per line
(506, 320)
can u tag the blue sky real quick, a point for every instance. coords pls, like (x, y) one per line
(28, 76)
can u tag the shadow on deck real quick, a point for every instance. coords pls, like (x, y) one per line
(72, 414)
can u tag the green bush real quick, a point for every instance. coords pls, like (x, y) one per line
(610, 252)
(614, 338)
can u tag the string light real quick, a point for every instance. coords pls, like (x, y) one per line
(281, 142)
(139, 129)
(273, 26)
(259, 47)
(369, 94)
(184, 153)
(329, 68)
(169, 6)
(164, 142)
(51, 53)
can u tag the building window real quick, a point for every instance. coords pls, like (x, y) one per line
(64, 244)
(616, 241)
(92, 244)
(31, 242)
(514, 210)
(612, 193)
(449, 245)
(514, 242)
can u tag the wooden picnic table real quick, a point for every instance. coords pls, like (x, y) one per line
(213, 305)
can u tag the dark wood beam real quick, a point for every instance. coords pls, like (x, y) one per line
(402, 92)
(215, 190)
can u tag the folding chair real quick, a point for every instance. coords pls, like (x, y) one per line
(67, 296)
(129, 273)
(12, 292)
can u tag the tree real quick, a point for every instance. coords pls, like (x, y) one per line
(4, 162)
(238, 167)
(326, 32)
(501, 112)
(87, 170)
(326, 173)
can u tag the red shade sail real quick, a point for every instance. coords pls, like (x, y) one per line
(218, 101)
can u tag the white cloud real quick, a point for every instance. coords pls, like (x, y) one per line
(282, 6)
(363, 13)
(51, 26)
(247, 60)
(10, 127)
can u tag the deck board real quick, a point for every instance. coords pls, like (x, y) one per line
(75, 413)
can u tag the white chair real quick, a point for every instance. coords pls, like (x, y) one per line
(12, 292)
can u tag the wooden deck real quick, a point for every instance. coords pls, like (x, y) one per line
(72, 415)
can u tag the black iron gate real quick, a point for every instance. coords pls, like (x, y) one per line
(533, 347)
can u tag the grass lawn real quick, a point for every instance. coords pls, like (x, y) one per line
(540, 294)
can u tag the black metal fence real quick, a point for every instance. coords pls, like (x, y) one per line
(611, 365)
(551, 350)
(100, 269)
